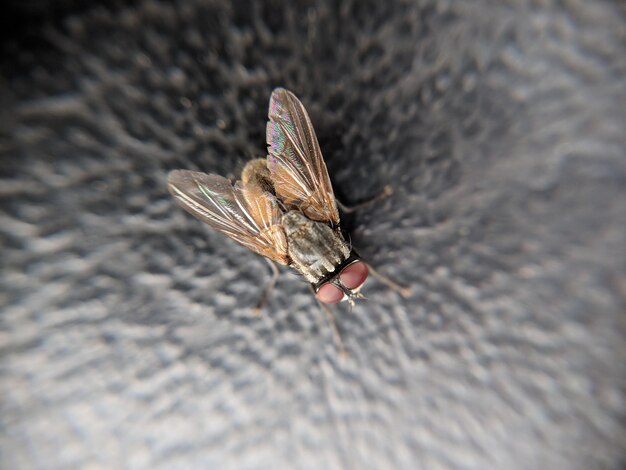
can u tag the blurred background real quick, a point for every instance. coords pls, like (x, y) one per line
(127, 338)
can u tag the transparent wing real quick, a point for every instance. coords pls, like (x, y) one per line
(295, 160)
(245, 213)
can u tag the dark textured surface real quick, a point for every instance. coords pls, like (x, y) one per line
(126, 335)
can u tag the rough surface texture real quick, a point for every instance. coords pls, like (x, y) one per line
(126, 335)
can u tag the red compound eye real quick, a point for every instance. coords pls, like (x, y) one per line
(352, 277)
(329, 294)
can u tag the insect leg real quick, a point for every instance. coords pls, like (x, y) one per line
(333, 325)
(403, 291)
(268, 289)
(385, 193)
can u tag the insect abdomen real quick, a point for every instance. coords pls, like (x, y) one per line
(314, 248)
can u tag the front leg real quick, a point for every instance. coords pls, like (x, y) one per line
(394, 286)
(333, 324)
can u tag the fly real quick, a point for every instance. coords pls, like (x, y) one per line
(284, 207)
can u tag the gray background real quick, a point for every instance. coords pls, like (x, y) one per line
(126, 335)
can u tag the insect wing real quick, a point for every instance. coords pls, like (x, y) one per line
(295, 160)
(245, 213)
(264, 209)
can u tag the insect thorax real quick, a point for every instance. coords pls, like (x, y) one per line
(315, 249)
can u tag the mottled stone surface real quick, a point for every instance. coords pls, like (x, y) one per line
(126, 336)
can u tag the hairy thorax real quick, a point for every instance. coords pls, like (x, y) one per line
(315, 249)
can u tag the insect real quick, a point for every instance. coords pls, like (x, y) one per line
(284, 207)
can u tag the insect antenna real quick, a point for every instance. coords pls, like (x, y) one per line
(350, 293)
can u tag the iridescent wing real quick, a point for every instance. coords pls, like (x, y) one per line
(245, 212)
(295, 160)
